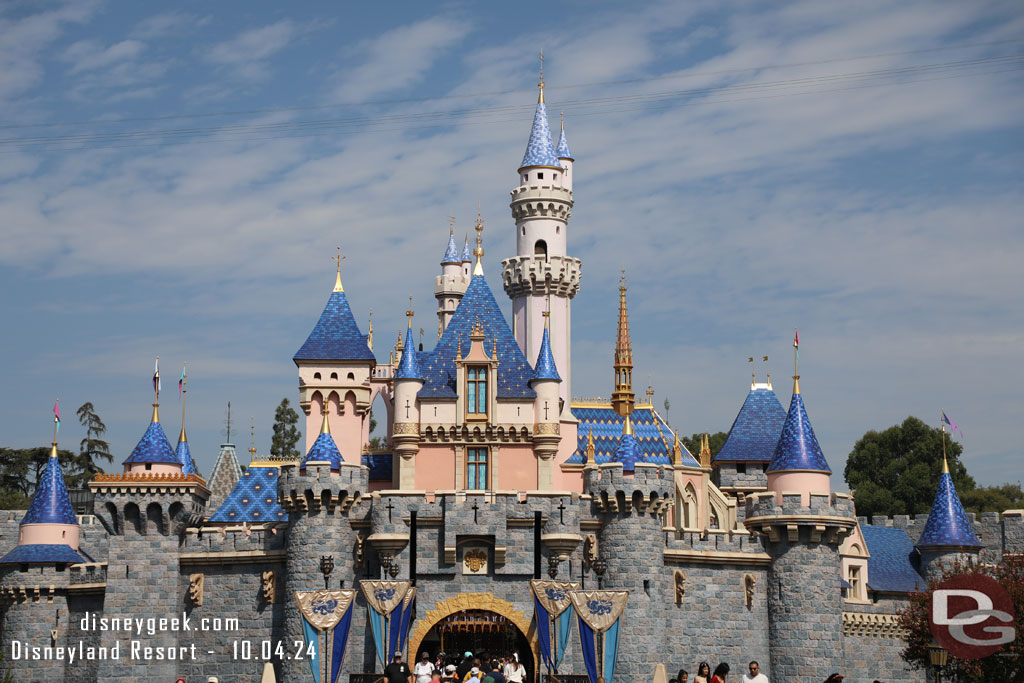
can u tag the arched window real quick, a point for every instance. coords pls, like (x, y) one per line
(540, 248)
(351, 376)
(334, 375)
(316, 375)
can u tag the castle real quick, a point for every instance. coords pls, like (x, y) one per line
(492, 475)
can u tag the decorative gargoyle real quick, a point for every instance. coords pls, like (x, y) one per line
(269, 586)
(195, 589)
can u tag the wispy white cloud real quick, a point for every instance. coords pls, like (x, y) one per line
(247, 53)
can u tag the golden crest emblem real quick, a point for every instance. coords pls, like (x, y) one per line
(475, 559)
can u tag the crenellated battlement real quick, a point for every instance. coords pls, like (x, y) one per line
(650, 488)
(318, 487)
(827, 517)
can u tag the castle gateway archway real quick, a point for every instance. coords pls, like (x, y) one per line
(477, 622)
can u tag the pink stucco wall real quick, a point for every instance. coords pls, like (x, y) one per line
(347, 429)
(435, 468)
(517, 468)
(804, 482)
(155, 468)
(49, 534)
(567, 481)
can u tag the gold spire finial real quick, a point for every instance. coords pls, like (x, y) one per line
(325, 426)
(650, 391)
(945, 462)
(369, 332)
(590, 448)
(56, 426)
(622, 395)
(627, 428)
(478, 268)
(458, 352)
(677, 450)
(796, 361)
(184, 395)
(540, 83)
(768, 370)
(753, 375)
(705, 451)
(337, 282)
(561, 115)
(252, 437)
(451, 225)
(156, 391)
(409, 313)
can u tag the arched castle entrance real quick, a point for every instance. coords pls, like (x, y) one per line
(472, 604)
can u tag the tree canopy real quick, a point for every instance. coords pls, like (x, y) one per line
(91, 448)
(286, 434)
(715, 442)
(896, 471)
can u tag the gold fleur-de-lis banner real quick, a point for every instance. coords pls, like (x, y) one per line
(384, 596)
(599, 609)
(554, 595)
(324, 609)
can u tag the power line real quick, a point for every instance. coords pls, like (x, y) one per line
(498, 93)
(487, 116)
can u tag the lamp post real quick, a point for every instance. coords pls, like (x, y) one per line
(553, 566)
(938, 656)
(600, 567)
(388, 564)
(326, 567)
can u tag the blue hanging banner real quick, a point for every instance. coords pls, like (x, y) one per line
(553, 611)
(386, 607)
(326, 622)
(600, 616)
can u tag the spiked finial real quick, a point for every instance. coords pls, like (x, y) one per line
(478, 268)
(590, 448)
(753, 375)
(337, 282)
(325, 425)
(796, 361)
(945, 462)
(622, 396)
(409, 313)
(677, 451)
(184, 394)
(705, 451)
(540, 83)
(767, 370)
(252, 437)
(627, 429)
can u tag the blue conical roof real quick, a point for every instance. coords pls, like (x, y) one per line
(51, 504)
(324, 450)
(408, 367)
(185, 458)
(948, 524)
(154, 447)
(627, 453)
(545, 368)
(336, 335)
(467, 257)
(563, 147)
(755, 431)
(539, 150)
(451, 254)
(798, 447)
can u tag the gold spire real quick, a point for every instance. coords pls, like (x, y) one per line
(156, 391)
(796, 360)
(458, 352)
(753, 374)
(540, 83)
(184, 394)
(478, 268)
(622, 396)
(677, 451)
(768, 371)
(451, 226)
(325, 426)
(590, 448)
(627, 428)
(561, 114)
(369, 332)
(650, 391)
(56, 425)
(337, 282)
(547, 315)
(409, 313)
(945, 462)
(252, 438)
(705, 451)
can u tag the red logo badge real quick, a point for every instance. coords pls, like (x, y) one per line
(972, 616)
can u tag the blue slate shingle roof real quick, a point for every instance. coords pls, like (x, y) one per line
(451, 254)
(380, 465)
(154, 447)
(539, 150)
(324, 450)
(467, 256)
(654, 438)
(336, 335)
(755, 431)
(409, 366)
(253, 498)
(798, 447)
(50, 504)
(185, 458)
(438, 366)
(628, 453)
(891, 566)
(545, 368)
(39, 553)
(948, 524)
(563, 147)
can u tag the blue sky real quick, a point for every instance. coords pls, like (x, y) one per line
(174, 182)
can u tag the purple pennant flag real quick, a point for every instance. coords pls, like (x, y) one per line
(953, 428)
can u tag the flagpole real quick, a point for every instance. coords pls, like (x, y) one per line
(945, 462)
(184, 396)
(56, 422)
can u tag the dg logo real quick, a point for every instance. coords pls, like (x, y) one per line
(972, 616)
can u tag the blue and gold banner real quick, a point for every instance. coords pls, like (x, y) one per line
(553, 609)
(389, 607)
(600, 618)
(326, 622)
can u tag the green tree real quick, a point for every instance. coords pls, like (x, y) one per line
(377, 442)
(715, 442)
(1007, 664)
(993, 498)
(286, 434)
(896, 471)
(91, 448)
(20, 469)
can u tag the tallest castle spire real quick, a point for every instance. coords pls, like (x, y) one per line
(623, 397)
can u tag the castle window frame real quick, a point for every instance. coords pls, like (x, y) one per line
(478, 472)
(853, 577)
(476, 392)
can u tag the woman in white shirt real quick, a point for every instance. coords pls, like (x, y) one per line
(423, 669)
(515, 672)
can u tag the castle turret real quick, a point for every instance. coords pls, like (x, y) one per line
(335, 366)
(948, 535)
(803, 523)
(451, 284)
(623, 398)
(542, 268)
(546, 436)
(183, 452)
(406, 433)
(565, 156)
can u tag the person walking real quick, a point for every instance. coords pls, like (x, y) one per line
(721, 671)
(703, 673)
(754, 674)
(423, 669)
(398, 671)
(515, 672)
